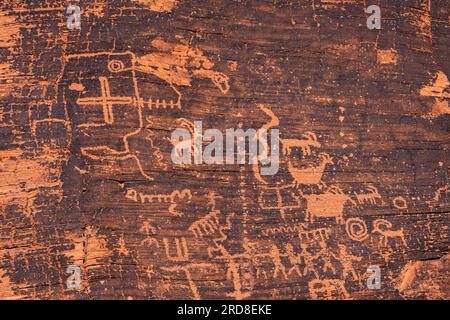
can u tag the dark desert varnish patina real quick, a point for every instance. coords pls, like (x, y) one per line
(86, 177)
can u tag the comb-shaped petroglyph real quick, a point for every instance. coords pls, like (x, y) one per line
(370, 197)
(181, 249)
(305, 236)
(210, 223)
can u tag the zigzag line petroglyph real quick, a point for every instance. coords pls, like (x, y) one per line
(184, 195)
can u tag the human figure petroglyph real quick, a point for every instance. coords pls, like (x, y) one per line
(346, 260)
(325, 254)
(383, 227)
(294, 260)
(278, 264)
(329, 204)
(150, 231)
(186, 269)
(308, 260)
(233, 269)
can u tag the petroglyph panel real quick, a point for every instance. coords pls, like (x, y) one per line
(88, 182)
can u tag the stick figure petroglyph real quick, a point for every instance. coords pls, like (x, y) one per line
(294, 260)
(325, 254)
(150, 231)
(233, 269)
(308, 260)
(278, 264)
(347, 262)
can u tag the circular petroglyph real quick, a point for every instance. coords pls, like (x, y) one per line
(116, 66)
(400, 203)
(356, 229)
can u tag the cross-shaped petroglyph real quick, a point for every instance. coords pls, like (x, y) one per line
(105, 100)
